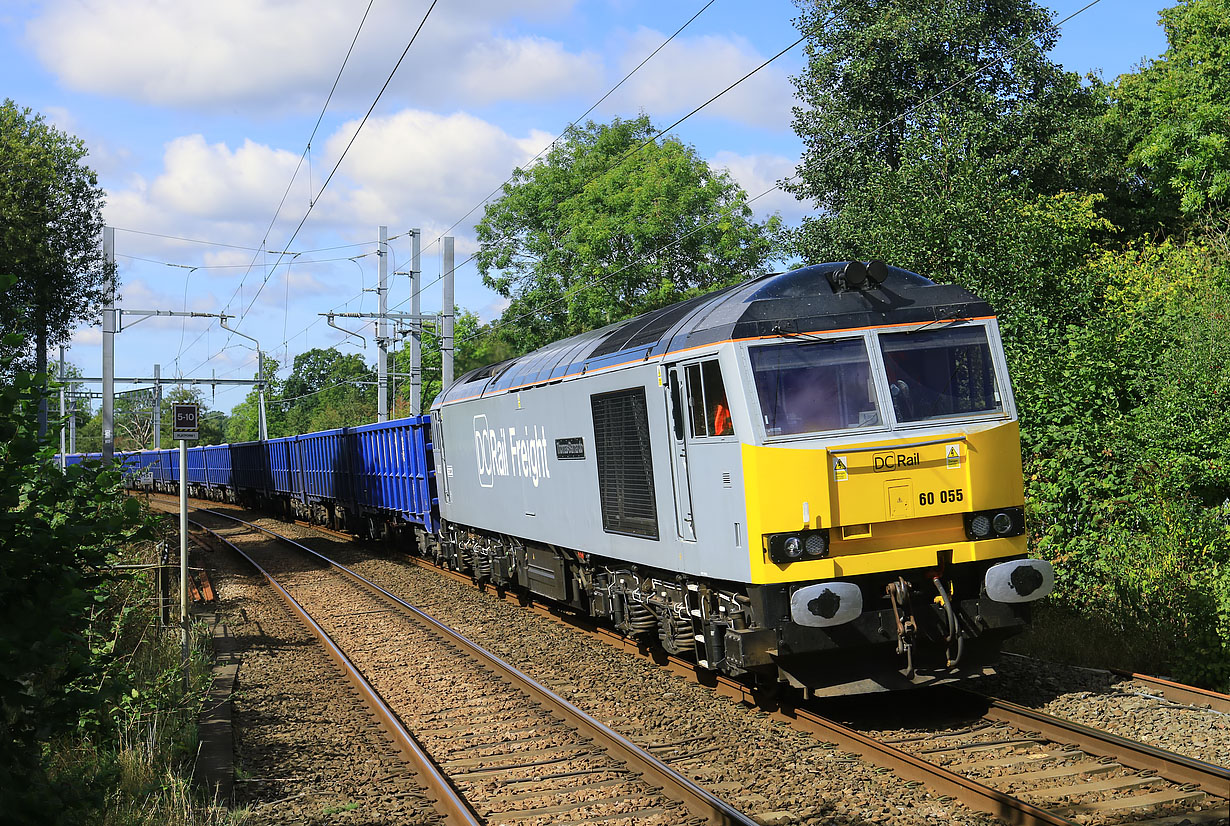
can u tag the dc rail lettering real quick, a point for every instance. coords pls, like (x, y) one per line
(892, 461)
(501, 452)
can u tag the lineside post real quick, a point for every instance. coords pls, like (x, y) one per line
(382, 330)
(185, 426)
(183, 555)
(63, 446)
(446, 338)
(416, 325)
(157, 406)
(108, 354)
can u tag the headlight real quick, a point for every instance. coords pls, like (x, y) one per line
(791, 547)
(1002, 523)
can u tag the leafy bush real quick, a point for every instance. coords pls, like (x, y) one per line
(1126, 433)
(95, 721)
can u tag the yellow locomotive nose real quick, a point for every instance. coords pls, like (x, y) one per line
(889, 504)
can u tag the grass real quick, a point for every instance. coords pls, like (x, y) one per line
(1060, 633)
(337, 810)
(135, 769)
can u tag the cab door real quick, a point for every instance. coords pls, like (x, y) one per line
(676, 412)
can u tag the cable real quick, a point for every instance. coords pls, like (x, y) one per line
(336, 166)
(303, 154)
(577, 120)
(294, 259)
(633, 150)
(189, 240)
(857, 141)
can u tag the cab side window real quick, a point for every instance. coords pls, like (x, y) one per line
(707, 404)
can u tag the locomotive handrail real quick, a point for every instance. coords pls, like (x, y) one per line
(958, 438)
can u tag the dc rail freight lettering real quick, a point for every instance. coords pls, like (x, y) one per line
(812, 478)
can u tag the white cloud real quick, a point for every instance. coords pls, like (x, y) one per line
(526, 68)
(87, 337)
(211, 180)
(692, 69)
(279, 54)
(758, 174)
(414, 165)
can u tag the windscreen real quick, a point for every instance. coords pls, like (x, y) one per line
(814, 386)
(939, 374)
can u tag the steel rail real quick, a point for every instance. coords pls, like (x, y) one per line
(972, 793)
(976, 795)
(1176, 768)
(673, 785)
(1180, 693)
(451, 807)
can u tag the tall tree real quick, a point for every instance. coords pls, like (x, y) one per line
(1176, 111)
(613, 222)
(969, 76)
(936, 106)
(327, 389)
(50, 237)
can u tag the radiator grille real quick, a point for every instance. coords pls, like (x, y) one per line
(625, 466)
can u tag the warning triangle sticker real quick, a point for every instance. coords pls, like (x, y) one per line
(839, 469)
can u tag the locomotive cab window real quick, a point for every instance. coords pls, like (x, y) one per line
(941, 374)
(813, 387)
(707, 403)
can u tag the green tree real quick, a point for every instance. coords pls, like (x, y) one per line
(328, 389)
(1176, 110)
(57, 532)
(614, 222)
(940, 110)
(243, 425)
(50, 238)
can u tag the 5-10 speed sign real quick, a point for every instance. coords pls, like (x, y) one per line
(186, 421)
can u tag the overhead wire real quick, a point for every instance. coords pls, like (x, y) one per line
(491, 328)
(626, 155)
(307, 148)
(571, 125)
(578, 119)
(342, 157)
(294, 175)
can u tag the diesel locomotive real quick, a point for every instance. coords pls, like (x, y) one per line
(811, 478)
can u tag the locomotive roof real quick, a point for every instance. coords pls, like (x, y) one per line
(804, 300)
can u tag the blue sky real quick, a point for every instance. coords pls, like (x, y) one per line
(196, 114)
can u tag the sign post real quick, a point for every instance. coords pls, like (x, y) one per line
(186, 419)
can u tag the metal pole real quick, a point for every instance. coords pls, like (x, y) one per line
(416, 326)
(63, 446)
(262, 422)
(183, 554)
(72, 428)
(108, 387)
(157, 406)
(446, 337)
(382, 331)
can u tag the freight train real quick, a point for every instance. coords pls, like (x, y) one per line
(812, 478)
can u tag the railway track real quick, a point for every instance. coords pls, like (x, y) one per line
(1020, 765)
(494, 745)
